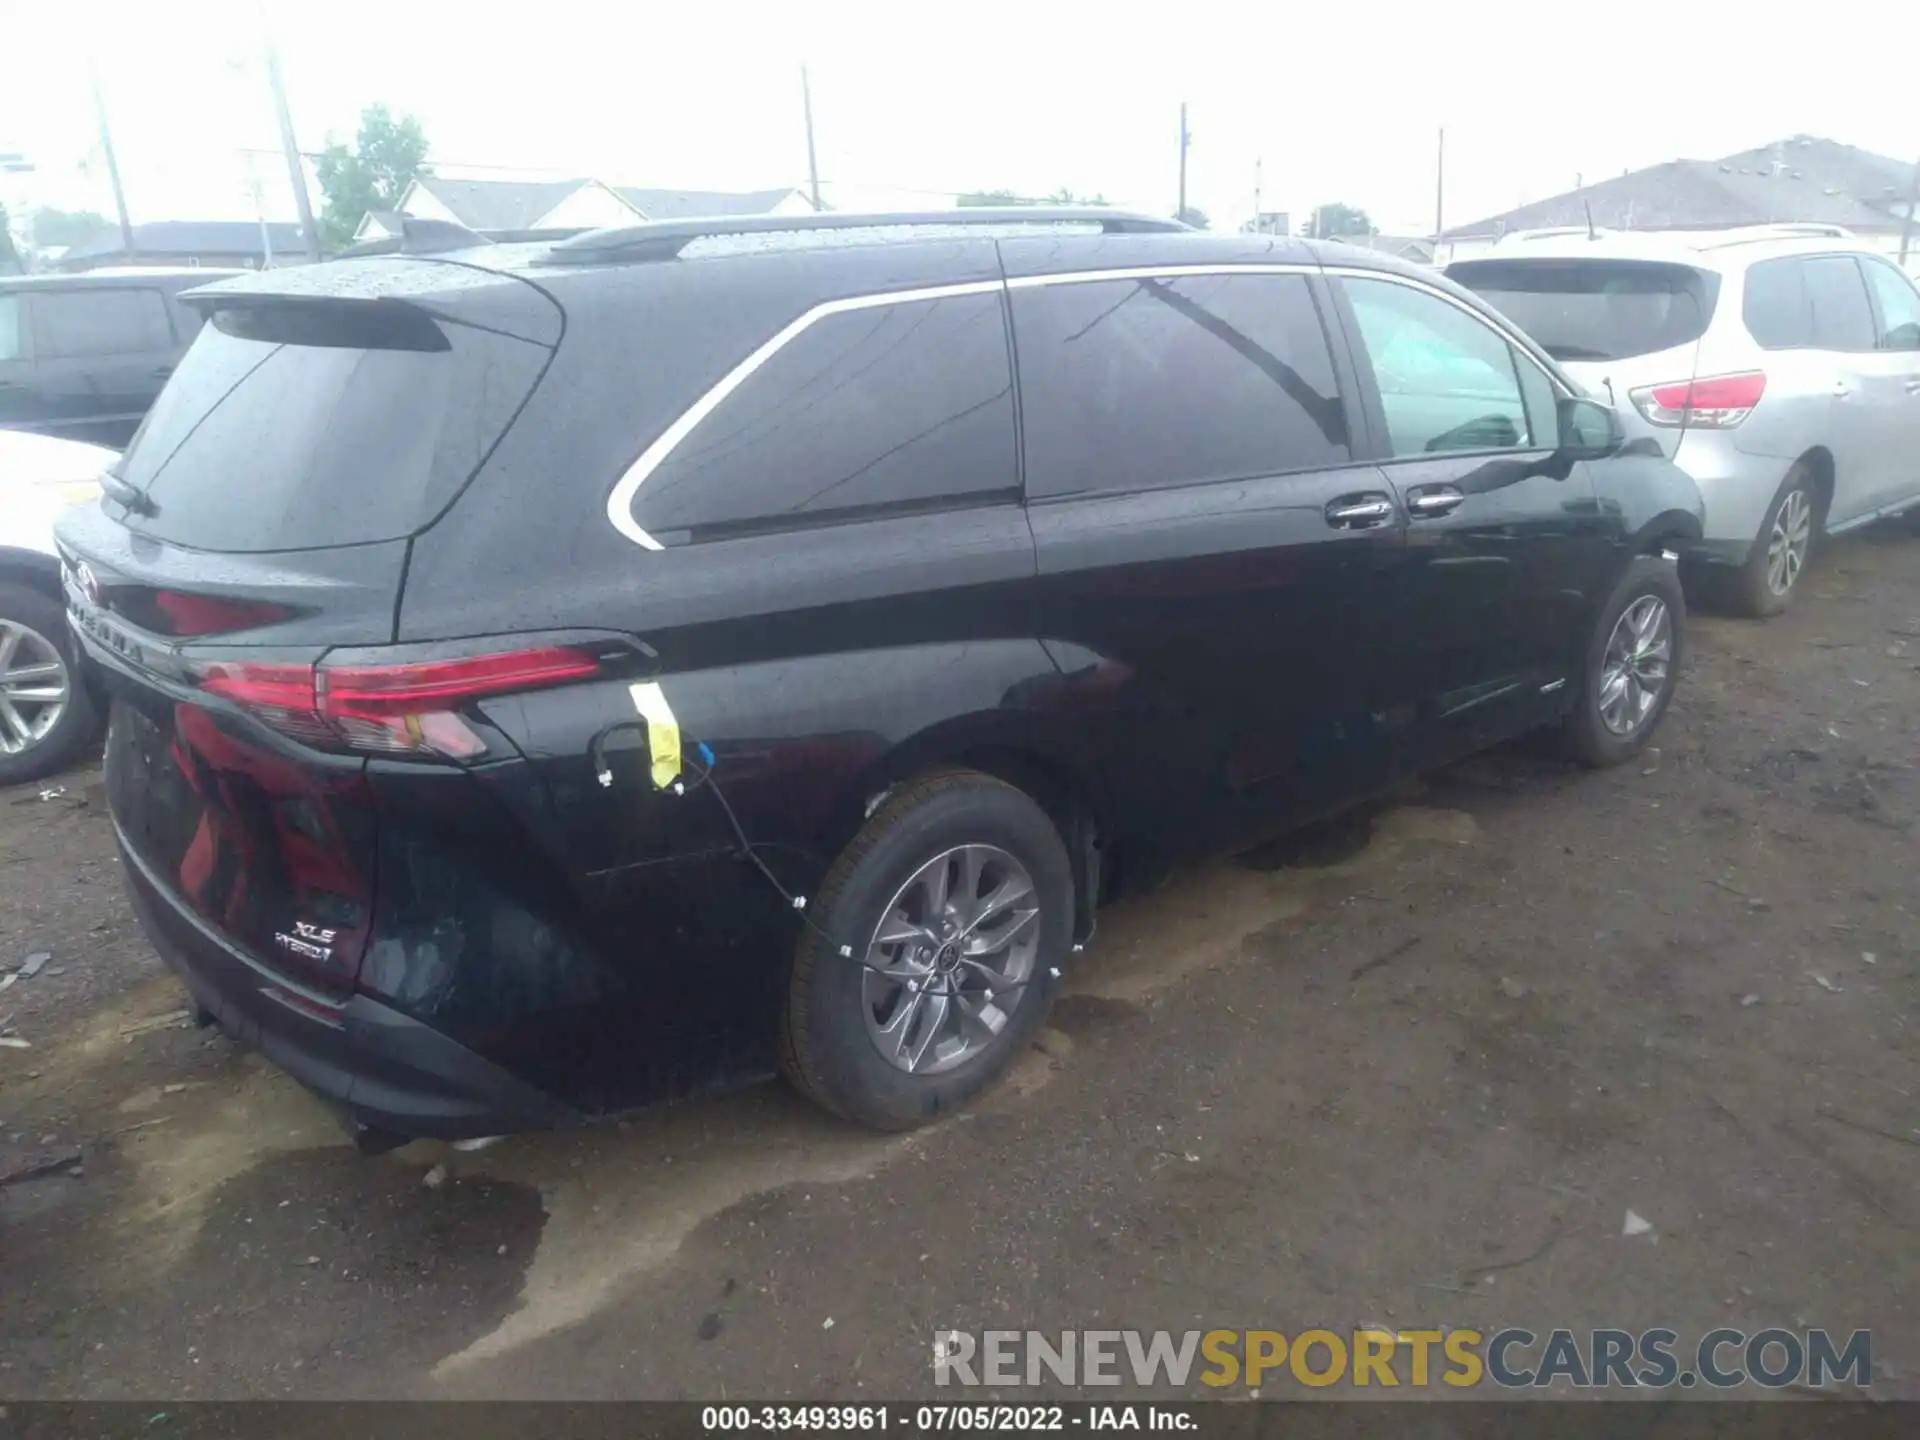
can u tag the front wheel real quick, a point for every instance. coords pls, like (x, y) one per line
(46, 715)
(942, 930)
(1632, 663)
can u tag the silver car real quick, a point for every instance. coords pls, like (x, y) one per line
(1779, 366)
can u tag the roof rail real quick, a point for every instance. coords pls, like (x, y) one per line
(1779, 230)
(665, 239)
(1554, 232)
(450, 236)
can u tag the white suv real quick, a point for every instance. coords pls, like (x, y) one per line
(1779, 366)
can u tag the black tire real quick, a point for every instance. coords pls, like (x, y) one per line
(825, 1049)
(1748, 589)
(1584, 734)
(79, 725)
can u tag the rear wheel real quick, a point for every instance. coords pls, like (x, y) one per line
(46, 714)
(1632, 663)
(942, 930)
(1766, 583)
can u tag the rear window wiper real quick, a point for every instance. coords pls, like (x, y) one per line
(128, 494)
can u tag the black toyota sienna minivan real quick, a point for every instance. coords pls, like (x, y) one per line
(547, 679)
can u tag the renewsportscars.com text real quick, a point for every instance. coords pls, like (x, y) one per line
(1509, 1359)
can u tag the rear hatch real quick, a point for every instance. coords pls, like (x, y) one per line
(1615, 325)
(236, 588)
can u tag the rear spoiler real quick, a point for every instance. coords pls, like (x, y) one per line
(438, 237)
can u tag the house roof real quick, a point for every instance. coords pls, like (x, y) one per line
(184, 239)
(700, 204)
(1804, 178)
(498, 204)
(1418, 247)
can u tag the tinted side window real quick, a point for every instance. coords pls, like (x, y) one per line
(1837, 300)
(1896, 299)
(1447, 379)
(1133, 384)
(894, 404)
(1543, 401)
(1775, 307)
(13, 339)
(73, 324)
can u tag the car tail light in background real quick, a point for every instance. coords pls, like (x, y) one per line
(408, 709)
(1718, 402)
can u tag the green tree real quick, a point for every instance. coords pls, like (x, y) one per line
(1330, 221)
(386, 157)
(9, 257)
(49, 227)
(1193, 215)
(974, 198)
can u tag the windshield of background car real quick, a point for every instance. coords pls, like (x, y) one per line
(1596, 309)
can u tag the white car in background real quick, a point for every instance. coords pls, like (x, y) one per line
(1778, 365)
(46, 714)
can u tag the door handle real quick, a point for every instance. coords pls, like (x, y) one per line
(1359, 512)
(1438, 501)
(1842, 389)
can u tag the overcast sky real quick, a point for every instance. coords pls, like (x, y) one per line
(1027, 96)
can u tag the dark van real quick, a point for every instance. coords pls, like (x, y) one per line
(83, 356)
(552, 678)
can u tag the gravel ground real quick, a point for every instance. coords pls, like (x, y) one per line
(1413, 1067)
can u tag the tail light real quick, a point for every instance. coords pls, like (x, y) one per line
(1719, 402)
(411, 709)
(183, 614)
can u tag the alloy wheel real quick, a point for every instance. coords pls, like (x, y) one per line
(1787, 545)
(35, 687)
(1639, 659)
(950, 959)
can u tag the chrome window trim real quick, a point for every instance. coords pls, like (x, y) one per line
(620, 501)
(1506, 332)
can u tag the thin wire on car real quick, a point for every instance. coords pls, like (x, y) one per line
(795, 902)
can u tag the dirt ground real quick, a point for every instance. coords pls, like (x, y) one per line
(1412, 1068)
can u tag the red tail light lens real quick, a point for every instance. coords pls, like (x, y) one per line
(186, 615)
(408, 709)
(1718, 402)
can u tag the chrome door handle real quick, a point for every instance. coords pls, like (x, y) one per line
(1437, 501)
(1842, 389)
(1359, 511)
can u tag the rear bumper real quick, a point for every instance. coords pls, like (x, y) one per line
(385, 1070)
(1738, 489)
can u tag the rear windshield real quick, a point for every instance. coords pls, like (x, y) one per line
(1596, 309)
(301, 426)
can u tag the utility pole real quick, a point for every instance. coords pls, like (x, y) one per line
(295, 172)
(1257, 224)
(113, 166)
(813, 165)
(1185, 140)
(1906, 226)
(1440, 191)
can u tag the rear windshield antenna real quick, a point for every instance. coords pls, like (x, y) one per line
(1591, 233)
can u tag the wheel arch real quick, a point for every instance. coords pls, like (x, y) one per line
(31, 569)
(1819, 462)
(1042, 766)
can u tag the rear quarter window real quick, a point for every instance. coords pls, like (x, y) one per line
(885, 407)
(1597, 309)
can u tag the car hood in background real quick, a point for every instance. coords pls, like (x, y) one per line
(41, 476)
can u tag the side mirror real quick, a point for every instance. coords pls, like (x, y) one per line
(1588, 430)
